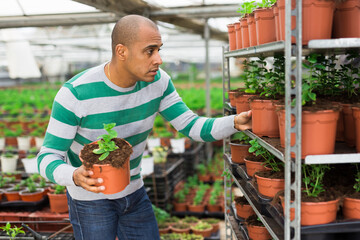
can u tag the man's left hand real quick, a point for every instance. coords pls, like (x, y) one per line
(242, 121)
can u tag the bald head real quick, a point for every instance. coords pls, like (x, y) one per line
(126, 30)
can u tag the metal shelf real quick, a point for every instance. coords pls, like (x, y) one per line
(271, 225)
(327, 46)
(234, 227)
(268, 49)
(271, 144)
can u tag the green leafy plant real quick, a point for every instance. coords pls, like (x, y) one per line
(160, 215)
(180, 196)
(246, 8)
(31, 187)
(202, 226)
(200, 193)
(241, 137)
(201, 168)
(12, 232)
(269, 158)
(349, 75)
(266, 3)
(190, 219)
(106, 145)
(273, 81)
(357, 179)
(313, 176)
(59, 189)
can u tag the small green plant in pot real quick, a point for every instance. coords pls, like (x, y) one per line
(109, 159)
(351, 204)
(202, 228)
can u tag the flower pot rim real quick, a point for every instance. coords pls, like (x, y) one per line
(273, 179)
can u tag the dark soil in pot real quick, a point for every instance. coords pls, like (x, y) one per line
(241, 201)
(116, 158)
(253, 221)
(254, 158)
(271, 174)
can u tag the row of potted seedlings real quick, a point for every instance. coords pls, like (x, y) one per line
(264, 22)
(195, 196)
(188, 225)
(32, 189)
(268, 173)
(330, 94)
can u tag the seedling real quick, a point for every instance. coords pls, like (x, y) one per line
(269, 158)
(313, 178)
(357, 179)
(106, 145)
(59, 189)
(241, 137)
(266, 3)
(180, 196)
(246, 8)
(12, 232)
(201, 168)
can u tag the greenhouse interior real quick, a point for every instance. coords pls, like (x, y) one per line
(180, 120)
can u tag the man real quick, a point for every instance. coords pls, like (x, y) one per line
(129, 90)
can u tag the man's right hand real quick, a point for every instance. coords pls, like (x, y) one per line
(82, 178)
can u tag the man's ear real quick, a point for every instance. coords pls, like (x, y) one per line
(121, 51)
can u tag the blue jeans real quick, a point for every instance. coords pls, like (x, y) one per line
(131, 217)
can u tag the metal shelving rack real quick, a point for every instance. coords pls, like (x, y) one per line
(291, 229)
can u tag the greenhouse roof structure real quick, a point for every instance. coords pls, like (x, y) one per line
(63, 31)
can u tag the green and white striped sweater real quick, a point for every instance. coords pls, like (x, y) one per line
(89, 99)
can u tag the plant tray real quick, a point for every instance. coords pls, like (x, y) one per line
(15, 206)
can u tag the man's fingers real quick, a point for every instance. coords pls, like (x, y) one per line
(82, 177)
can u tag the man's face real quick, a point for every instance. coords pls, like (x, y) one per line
(144, 59)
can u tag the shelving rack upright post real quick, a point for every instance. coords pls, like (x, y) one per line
(293, 90)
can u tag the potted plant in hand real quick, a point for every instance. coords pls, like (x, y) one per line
(109, 159)
(58, 200)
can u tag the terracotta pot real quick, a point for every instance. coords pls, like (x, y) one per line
(258, 233)
(252, 30)
(261, 110)
(205, 233)
(179, 230)
(277, 21)
(11, 141)
(179, 207)
(58, 203)
(26, 196)
(356, 115)
(242, 103)
(238, 35)
(244, 211)
(340, 131)
(213, 208)
(232, 99)
(351, 208)
(204, 178)
(318, 131)
(346, 20)
(269, 187)
(253, 167)
(349, 125)
(244, 33)
(317, 18)
(239, 152)
(114, 179)
(232, 37)
(196, 208)
(165, 141)
(265, 25)
(165, 230)
(12, 195)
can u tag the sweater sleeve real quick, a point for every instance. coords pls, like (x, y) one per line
(202, 129)
(60, 133)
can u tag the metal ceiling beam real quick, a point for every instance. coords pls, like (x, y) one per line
(58, 19)
(142, 8)
(207, 11)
